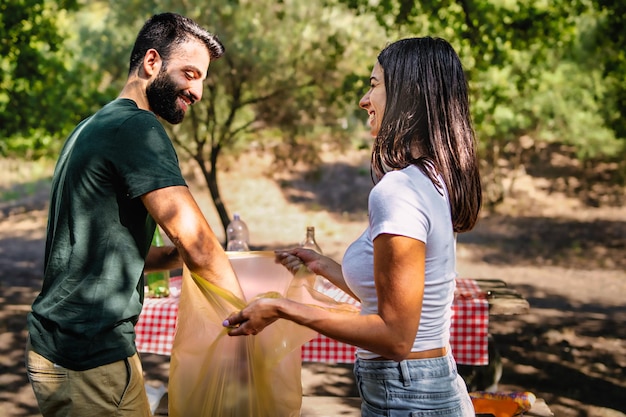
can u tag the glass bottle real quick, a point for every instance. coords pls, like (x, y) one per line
(237, 236)
(158, 281)
(309, 241)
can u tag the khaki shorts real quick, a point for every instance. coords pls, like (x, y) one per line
(115, 390)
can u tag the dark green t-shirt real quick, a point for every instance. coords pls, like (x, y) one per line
(98, 235)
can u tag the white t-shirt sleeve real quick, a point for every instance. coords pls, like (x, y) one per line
(397, 207)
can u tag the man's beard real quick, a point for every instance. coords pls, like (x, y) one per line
(162, 96)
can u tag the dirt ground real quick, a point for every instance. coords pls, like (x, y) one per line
(566, 258)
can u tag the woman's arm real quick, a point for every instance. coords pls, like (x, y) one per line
(399, 267)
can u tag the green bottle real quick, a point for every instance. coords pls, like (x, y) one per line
(158, 281)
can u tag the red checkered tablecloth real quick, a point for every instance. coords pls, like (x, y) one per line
(470, 324)
(157, 325)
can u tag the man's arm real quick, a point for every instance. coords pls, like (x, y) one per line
(163, 258)
(178, 214)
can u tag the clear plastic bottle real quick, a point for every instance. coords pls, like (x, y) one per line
(237, 237)
(158, 281)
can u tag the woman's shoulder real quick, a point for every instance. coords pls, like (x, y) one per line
(409, 176)
(408, 183)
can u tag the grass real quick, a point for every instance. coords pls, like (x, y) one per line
(23, 178)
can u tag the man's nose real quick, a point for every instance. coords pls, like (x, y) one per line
(196, 90)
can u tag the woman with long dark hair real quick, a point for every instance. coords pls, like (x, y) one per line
(402, 268)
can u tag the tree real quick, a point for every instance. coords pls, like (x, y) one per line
(290, 73)
(282, 88)
(34, 100)
(530, 81)
(608, 46)
(540, 73)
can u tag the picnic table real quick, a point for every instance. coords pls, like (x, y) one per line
(469, 332)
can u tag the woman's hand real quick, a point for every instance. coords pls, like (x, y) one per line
(294, 259)
(255, 317)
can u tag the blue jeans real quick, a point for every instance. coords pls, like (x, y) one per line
(412, 388)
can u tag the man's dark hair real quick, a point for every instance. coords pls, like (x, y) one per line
(165, 31)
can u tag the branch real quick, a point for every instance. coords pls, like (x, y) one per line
(275, 93)
(241, 128)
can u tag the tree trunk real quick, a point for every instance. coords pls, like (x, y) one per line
(210, 176)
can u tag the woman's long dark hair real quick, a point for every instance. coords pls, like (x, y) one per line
(427, 122)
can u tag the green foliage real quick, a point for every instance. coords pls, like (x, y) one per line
(290, 66)
(541, 72)
(281, 85)
(609, 48)
(290, 78)
(535, 71)
(34, 101)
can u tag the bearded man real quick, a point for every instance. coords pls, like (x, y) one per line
(117, 178)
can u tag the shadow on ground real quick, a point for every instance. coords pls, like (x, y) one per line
(546, 241)
(326, 188)
(571, 355)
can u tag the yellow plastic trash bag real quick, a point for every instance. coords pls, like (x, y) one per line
(213, 374)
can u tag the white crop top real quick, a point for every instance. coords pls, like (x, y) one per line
(407, 203)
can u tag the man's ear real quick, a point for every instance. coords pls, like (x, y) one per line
(152, 62)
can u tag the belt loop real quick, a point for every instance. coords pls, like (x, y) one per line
(406, 376)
